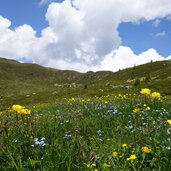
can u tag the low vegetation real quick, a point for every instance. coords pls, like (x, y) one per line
(96, 121)
(111, 132)
(29, 84)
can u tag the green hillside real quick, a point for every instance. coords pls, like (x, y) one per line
(32, 83)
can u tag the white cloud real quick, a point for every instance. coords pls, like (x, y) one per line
(160, 34)
(82, 35)
(43, 2)
(156, 23)
(124, 57)
(17, 43)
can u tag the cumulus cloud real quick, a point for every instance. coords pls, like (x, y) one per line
(17, 43)
(116, 59)
(82, 34)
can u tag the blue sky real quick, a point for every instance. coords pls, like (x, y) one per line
(71, 38)
(21, 12)
(143, 36)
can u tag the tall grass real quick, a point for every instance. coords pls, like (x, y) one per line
(124, 132)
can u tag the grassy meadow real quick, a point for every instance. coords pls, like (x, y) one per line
(113, 132)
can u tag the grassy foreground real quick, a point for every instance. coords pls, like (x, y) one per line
(123, 132)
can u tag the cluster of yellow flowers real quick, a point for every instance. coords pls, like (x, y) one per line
(146, 91)
(21, 110)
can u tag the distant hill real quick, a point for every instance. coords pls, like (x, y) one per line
(31, 83)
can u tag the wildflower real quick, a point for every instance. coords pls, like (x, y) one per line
(169, 130)
(137, 110)
(132, 157)
(169, 121)
(68, 135)
(124, 145)
(156, 95)
(94, 164)
(114, 154)
(40, 143)
(146, 149)
(144, 105)
(145, 91)
(99, 132)
(25, 111)
(105, 165)
(168, 148)
(148, 108)
(16, 107)
(100, 139)
(21, 109)
(88, 165)
(130, 127)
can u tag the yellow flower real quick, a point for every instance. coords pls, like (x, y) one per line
(94, 164)
(88, 165)
(148, 108)
(21, 109)
(145, 91)
(96, 170)
(16, 108)
(114, 154)
(124, 145)
(137, 110)
(156, 95)
(146, 149)
(132, 157)
(169, 121)
(24, 111)
(105, 165)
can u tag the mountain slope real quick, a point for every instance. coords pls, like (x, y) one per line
(32, 83)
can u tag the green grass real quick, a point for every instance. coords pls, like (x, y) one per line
(82, 134)
(18, 81)
(83, 119)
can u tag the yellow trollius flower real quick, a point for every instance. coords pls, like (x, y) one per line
(21, 110)
(156, 95)
(148, 108)
(94, 164)
(169, 121)
(146, 149)
(124, 145)
(145, 91)
(132, 157)
(16, 108)
(137, 110)
(114, 154)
